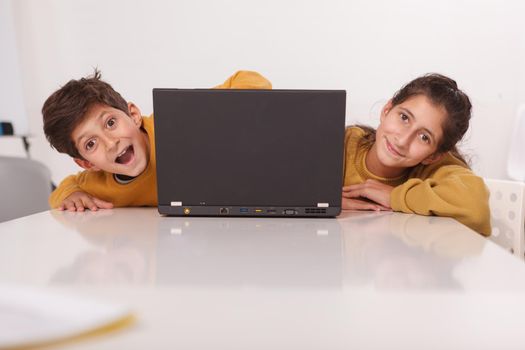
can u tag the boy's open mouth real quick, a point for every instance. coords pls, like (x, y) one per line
(125, 156)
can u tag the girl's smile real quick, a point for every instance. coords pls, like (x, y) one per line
(392, 149)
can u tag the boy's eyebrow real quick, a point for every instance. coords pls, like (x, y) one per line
(100, 116)
(407, 111)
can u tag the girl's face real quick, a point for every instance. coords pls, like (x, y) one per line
(408, 134)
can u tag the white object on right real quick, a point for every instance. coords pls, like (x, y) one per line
(516, 160)
(507, 211)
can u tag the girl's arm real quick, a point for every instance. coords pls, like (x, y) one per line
(452, 191)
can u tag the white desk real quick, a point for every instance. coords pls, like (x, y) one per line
(362, 281)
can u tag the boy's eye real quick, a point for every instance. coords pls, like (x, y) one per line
(90, 144)
(111, 122)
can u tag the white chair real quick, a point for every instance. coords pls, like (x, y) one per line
(507, 209)
(25, 186)
(516, 159)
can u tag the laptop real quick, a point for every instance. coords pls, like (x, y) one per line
(265, 153)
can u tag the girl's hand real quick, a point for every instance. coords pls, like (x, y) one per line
(372, 190)
(359, 204)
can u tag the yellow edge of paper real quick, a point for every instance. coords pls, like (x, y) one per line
(119, 324)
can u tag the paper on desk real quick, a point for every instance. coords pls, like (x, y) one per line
(32, 317)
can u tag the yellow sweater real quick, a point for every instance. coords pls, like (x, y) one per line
(445, 188)
(142, 191)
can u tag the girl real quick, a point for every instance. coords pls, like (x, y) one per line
(410, 163)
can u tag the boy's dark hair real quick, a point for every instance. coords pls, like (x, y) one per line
(67, 107)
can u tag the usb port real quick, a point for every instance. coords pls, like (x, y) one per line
(271, 211)
(243, 210)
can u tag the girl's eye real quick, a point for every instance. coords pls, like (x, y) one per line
(90, 144)
(111, 122)
(425, 138)
(403, 117)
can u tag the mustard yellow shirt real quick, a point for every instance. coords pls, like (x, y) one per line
(142, 190)
(445, 188)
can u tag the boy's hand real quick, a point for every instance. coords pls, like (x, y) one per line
(78, 201)
(356, 196)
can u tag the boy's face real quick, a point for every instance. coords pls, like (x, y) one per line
(108, 139)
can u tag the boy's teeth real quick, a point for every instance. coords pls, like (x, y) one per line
(125, 156)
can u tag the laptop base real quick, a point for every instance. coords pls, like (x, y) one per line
(239, 211)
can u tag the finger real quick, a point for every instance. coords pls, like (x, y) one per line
(362, 207)
(89, 203)
(352, 187)
(70, 205)
(369, 206)
(355, 204)
(78, 204)
(356, 193)
(350, 195)
(102, 204)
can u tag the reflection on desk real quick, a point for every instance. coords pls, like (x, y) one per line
(367, 250)
(120, 250)
(249, 252)
(393, 250)
(237, 283)
(145, 248)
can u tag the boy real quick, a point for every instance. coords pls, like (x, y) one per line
(111, 140)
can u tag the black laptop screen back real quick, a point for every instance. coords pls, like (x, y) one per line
(249, 147)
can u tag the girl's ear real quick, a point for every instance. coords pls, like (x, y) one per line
(134, 113)
(85, 164)
(434, 157)
(386, 108)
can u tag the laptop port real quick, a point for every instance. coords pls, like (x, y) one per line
(271, 211)
(243, 210)
(224, 211)
(289, 212)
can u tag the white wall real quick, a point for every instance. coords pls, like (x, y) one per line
(368, 47)
(12, 106)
